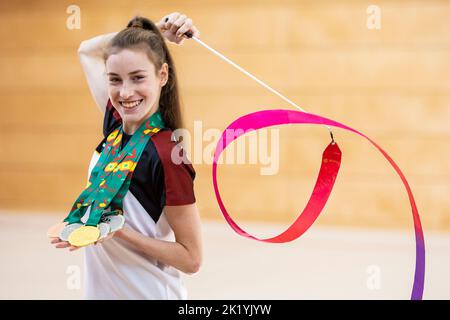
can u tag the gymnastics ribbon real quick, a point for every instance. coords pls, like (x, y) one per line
(322, 189)
(327, 175)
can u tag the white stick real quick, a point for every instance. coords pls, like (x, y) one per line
(253, 77)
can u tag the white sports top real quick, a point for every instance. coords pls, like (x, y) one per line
(115, 270)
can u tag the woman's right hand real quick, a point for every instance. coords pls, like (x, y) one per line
(175, 25)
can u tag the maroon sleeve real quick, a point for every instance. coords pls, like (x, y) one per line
(178, 177)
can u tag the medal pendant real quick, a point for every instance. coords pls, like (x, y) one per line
(68, 229)
(84, 236)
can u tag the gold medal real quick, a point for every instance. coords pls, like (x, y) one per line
(55, 230)
(84, 236)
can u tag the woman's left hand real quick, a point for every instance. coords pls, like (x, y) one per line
(175, 25)
(60, 244)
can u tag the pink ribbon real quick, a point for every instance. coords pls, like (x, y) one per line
(331, 159)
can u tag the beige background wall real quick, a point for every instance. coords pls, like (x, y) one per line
(393, 84)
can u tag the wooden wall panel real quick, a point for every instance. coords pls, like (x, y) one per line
(393, 84)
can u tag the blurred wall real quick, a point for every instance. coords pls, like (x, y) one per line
(392, 84)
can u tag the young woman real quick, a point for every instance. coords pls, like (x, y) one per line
(132, 77)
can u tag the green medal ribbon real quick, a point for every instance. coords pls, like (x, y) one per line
(111, 177)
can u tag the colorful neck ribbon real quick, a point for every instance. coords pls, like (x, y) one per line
(111, 177)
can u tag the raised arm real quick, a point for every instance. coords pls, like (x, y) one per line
(90, 52)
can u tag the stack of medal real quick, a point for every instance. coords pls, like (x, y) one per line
(79, 235)
(100, 222)
(108, 183)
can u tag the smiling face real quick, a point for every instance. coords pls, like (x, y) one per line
(133, 86)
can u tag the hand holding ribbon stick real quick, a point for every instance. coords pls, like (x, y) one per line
(175, 26)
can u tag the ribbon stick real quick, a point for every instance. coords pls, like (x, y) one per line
(327, 175)
(249, 74)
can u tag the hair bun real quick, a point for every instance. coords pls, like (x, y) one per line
(141, 22)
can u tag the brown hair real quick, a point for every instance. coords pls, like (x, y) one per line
(143, 34)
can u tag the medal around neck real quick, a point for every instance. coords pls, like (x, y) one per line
(84, 236)
(108, 183)
(104, 230)
(116, 222)
(65, 233)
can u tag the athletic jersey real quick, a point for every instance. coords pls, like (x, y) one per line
(115, 269)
